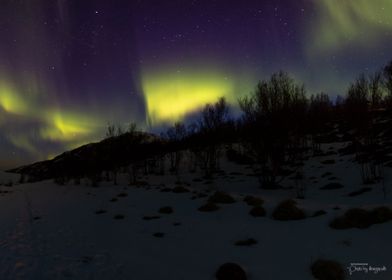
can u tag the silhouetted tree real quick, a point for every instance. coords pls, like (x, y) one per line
(211, 128)
(110, 130)
(214, 116)
(357, 103)
(387, 80)
(375, 87)
(176, 135)
(132, 128)
(319, 114)
(274, 114)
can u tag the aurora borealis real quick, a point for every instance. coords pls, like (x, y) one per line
(69, 67)
(171, 96)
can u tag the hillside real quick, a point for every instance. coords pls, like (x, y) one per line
(94, 157)
(85, 231)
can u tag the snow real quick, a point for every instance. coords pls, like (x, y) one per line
(50, 231)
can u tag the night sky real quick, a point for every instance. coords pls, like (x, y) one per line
(69, 67)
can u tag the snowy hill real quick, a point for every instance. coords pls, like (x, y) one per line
(107, 231)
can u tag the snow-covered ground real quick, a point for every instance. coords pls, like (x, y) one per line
(51, 231)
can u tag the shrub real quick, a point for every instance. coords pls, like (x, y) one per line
(355, 217)
(221, 197)
(201, 195)
(166, 210)
(119, 217)
(148, 218)
(326, 174)
(9, 184)
(327, 270)
(253, 201)
(209, 207)
(257, 211)
(319, 213)
(381, 215)
(288, 210)
(180, 189)
(230, 271)
(361, 218)
(159, 234)
(246, 242)
(122, 194)
(332, 186)
(328, 161)
(359, 192)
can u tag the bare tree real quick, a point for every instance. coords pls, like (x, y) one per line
(214, 115)
(275, 114)
(361, 94)
(387, 80)
(211, 125)
(132, 128)
(357, 103)
(176, 134)
(110, 130)
(319, 113)
(375, 86)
